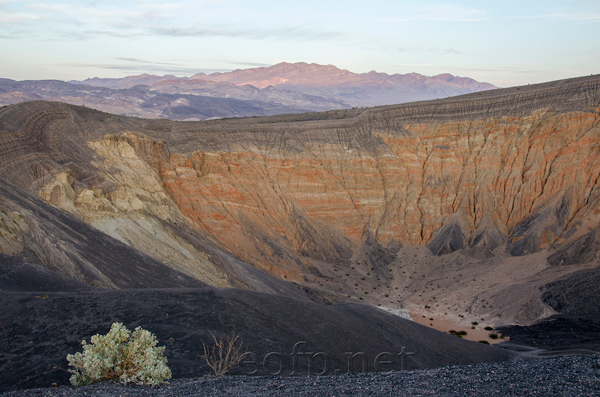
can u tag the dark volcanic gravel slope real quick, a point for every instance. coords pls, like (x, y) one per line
(565, 376)
(576, 293)
(558, 333)
(38, 330)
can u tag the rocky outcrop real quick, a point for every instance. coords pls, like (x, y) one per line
(438, 182)
(40, 233)
(580, 251)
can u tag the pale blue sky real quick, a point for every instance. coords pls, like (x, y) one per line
(502, 42)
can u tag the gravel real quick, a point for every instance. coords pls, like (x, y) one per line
(564, 375)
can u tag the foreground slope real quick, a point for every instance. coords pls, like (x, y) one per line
(39, 330)
(578, 375)
(469, 207)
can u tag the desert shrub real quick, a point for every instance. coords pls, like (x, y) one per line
(494, 335)
(485, 342)
(224, 354)
(488, 328)
(460, 334)
(120, 355)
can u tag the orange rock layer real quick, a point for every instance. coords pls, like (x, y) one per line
(267, 205)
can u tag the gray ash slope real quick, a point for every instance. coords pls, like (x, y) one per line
(39, 329)
(564, 376)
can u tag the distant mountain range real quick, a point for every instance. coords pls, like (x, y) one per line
(265, 91)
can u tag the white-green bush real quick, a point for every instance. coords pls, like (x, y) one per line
(120, 355)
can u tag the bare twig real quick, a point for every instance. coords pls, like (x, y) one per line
(224, 354)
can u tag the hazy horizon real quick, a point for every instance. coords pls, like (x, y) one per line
(505, 44)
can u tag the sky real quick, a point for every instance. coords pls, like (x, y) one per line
(505, 43)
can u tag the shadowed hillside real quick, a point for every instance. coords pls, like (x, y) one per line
(182, 318)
